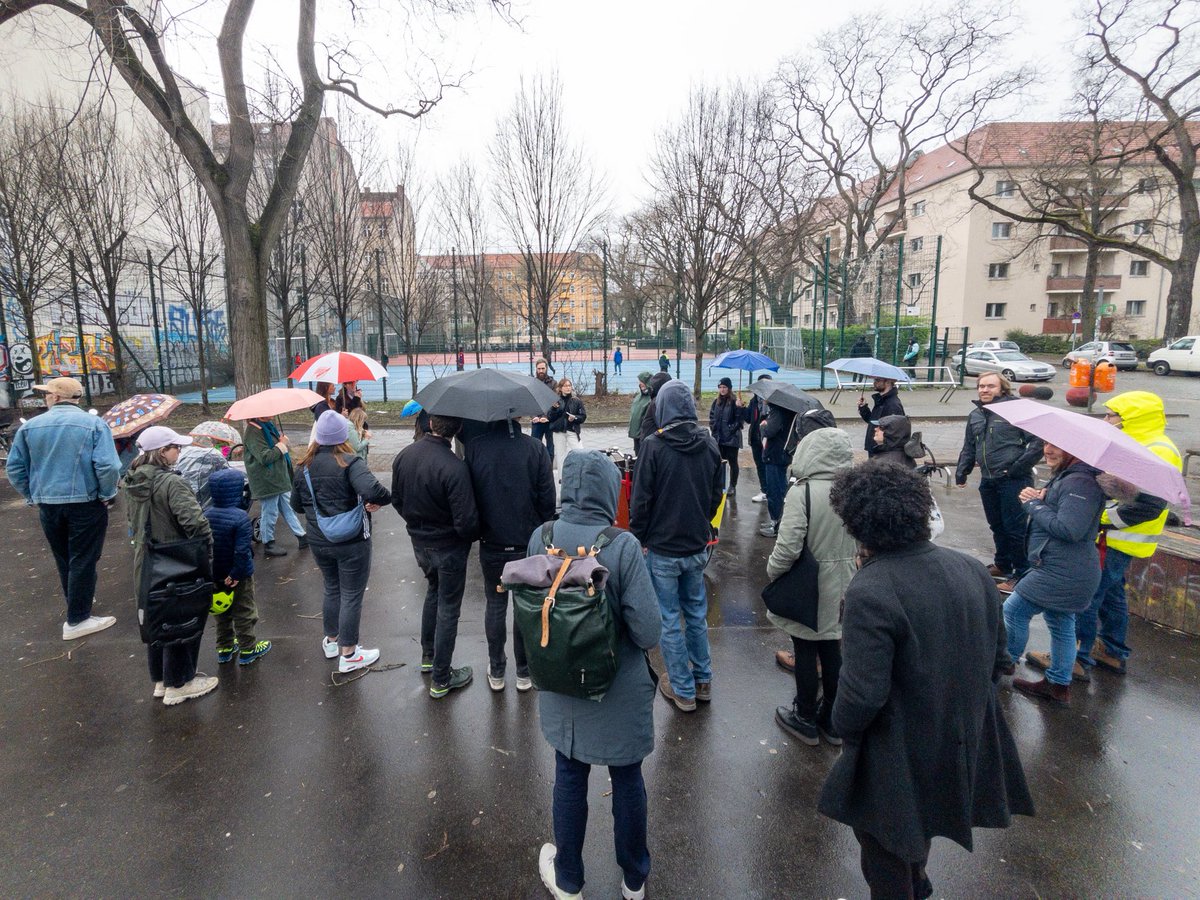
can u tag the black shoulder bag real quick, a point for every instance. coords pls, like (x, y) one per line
(176, 586)
(794, 594)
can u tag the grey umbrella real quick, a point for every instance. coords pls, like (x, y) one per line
(486, 395)
(780, 393)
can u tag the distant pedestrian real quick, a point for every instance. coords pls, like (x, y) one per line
(233, 569)
(885, 402)
(513, 481)
(725, 421)
(664, 364)
(617, 731)
(677, 488)
(432, 491)
(269, 471)
(157, 497)
(755, 412)
(332, 481)
(859, 350)
(566, 418)
(911, 357)
(65, 463)
(298, 359)
(908, 714)
(540, 425)
(460, 359)
(618, 358)
(637, 410)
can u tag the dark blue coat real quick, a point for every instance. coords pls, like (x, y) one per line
(232, 553)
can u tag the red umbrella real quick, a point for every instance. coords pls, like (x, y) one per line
(273, 402)
(335, 368)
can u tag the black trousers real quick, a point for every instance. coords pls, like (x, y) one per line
(175, 664)
(75, 532)
(445, 571)
(495, 616)
(807, 678)
(1006, 517)
(756, 452)
(888, 876)
(730, 455)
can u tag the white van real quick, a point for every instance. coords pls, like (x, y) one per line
(1181, 356)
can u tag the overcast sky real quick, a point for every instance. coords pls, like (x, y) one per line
(626, 65)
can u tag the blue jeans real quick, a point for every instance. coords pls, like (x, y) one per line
(570, 822)
(1006, 518)
(1112, 609)
(541, 432)
(1017, 613)
(683, 604)
(777, 485)
(270, 509)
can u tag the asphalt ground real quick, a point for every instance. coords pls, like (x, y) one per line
(283, 784)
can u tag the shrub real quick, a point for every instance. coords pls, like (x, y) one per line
(1038, 343)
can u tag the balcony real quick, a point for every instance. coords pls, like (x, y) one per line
(1083, 205)
(1073, 284)
(1061, 243)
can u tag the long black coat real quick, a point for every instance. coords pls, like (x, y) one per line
(881, 405)
(927, 751)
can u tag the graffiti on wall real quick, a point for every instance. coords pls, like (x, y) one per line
(58, 351)
(181, 327)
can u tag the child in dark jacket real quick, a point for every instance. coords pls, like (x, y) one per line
(233, 569)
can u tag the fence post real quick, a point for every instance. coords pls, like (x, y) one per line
(899, 297)
(824, 310)
(937, 271)
(82, 350)
(154, 318)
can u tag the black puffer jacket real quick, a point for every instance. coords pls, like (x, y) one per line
(514, 484)
(337, 488)
(678, 484)
(1000, 449)
(725, 421)
(570, 405)
(881, 405)
(649, 423)
(775, 433)
(431, 489)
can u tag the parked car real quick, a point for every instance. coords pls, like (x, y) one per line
(1120, 354)
(1012, 364)
(993, 344)
(1181, 356)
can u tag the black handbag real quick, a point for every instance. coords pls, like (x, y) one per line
(176, 587)
(794, 594)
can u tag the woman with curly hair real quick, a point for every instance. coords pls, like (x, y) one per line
(927, 751)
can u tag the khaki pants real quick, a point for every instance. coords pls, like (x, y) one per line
(237, 623)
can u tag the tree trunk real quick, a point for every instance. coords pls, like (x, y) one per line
(1179, 295)
(202, 360)
(412, 369)
(121, 379)
(285, 317)
(1087, 299)
(700, 336)
(30, 339)
(478, 349)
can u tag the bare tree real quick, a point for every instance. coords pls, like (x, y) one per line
(463, 209)
(547, 195)
(135, 43)
(30, 204)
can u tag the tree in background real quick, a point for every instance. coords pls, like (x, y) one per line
(463, 210)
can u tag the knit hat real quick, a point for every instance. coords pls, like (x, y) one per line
(332, 428)
(158, 436)
(725, 382)
(644, 377)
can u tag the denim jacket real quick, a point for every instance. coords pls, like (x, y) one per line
(65, 455)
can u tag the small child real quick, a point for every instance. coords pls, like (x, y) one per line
(233, 567)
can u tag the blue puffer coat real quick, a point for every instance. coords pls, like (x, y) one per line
(1061, 541)
(233, 556)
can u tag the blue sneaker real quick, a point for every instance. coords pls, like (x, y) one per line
(226, 654)
(249, 656)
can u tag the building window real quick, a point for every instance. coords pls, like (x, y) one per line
(1005, 189)
(918, 208)
(914, 279)
(998, 270)
(994, 311)
(1001, 231)
(1145, 185)
(1142, 227)
(1139, 267)
(1052, 309)
(1135, 307)
(915, 245)
(1056, 270)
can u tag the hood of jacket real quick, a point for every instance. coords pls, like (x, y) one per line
(674, 403)
(822, 453)
(657, 380)
(139, 481)
(896, 432)
(1142, 415)
(590, 485)
(225, 487)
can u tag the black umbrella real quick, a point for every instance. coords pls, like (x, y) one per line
(486, 395)
(780, 393)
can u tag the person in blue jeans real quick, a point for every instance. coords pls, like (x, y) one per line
(1064, 569)
(618, 730)
(269, 471)
(677, 487)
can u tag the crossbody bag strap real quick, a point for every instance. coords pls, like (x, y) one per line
(313, 493)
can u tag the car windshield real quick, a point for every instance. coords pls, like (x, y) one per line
(1126, 347)
(1011, 356)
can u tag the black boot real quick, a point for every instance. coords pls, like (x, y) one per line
(303, 542)
(803, 730)
(269, 549)
(825, 724)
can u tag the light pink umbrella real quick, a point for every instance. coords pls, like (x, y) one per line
(339, 367)
(1101, 445)
(273, 402)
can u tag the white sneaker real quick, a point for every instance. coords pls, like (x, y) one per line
(546, 870)
(330, 648)
(159, 689)
(524, 683)
(90, 625)
(197, 687)
(359, 659)
(496, 684)
(758, 498)
(630, 894)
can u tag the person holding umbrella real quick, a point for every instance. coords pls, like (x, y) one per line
(755, 414)
(269, 471)
(775, 461)
(725, 421)
(885, 402)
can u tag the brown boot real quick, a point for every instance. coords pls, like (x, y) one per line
(1036, 660)
(996, 572)
(1044, 690)
(1101, 655)
(683, 704)
(786, 660)
(1006, 587)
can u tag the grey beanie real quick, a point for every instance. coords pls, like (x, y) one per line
(332, 428)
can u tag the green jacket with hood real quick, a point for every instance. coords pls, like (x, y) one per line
(819, 457)
(165, 498)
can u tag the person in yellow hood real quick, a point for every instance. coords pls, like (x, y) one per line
(1133, 521)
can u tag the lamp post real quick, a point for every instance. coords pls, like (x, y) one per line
(383, 357)
(604, 302)
(454, 294)
(83, 367)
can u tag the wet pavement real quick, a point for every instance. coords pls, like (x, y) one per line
(283, 784)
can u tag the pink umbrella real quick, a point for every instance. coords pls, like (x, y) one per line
(273, 402)
(1101, 445)
(335, 368)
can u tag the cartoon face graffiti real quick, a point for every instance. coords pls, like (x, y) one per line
(21, 357)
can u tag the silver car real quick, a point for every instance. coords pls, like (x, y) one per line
(1120, 354)
(1012, 364)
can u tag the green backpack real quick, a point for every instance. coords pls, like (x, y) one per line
(570, 633)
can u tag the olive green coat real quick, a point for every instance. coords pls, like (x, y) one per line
(165, 498)
(268, 471)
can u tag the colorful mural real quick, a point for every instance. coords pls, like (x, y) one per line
(58, 351)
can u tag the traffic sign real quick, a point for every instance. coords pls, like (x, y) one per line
(1075, 317)
(1108, 309)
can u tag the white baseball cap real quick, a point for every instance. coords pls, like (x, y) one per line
(158, 436)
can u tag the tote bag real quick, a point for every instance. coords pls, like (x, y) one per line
(176, 587)
(794, 595)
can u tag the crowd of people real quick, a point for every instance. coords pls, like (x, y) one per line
(882, 592)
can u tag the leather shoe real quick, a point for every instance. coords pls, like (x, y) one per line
(996, 572)
(1037, 660)
(786, 660)
(1044, 690)
(1106, 661)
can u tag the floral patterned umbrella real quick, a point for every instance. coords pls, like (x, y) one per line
(140, 411)
(207, 432)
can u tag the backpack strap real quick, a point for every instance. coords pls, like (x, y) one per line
(548, 603)
(548, 535)
(606, 537)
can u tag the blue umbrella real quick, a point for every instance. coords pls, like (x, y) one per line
(411, 408)
(869, 366)
(744, 359)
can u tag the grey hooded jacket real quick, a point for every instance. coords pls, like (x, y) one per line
(619, 729)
